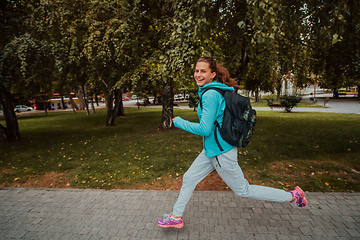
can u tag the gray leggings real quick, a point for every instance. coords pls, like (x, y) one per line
(227, 166)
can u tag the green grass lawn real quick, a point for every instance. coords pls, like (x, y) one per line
(299, 105)
(264, 104)
(318, 151)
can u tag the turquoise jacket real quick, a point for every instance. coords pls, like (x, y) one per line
(213, 106)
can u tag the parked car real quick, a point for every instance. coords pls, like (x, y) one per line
(125, 99)
(22, 108)
(178, 97)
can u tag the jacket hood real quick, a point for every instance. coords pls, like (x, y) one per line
(215, 84)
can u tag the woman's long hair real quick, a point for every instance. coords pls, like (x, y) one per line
(222, 74)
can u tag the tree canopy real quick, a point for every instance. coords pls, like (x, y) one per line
(152, 46)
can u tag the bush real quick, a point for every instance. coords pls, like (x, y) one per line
(193, 100)
(289, 102)
(270, 99)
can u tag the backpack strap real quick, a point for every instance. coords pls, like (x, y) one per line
(213, 88)
(217, 125)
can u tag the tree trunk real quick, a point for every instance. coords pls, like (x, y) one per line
(11, 131)
(86, 103)
(278, 88)
(81, 100)
(167, 108)
(120, 111)
(96, 100)
(244, 61)
(92, 104)
(257, 94)
(3, 136)
(45, 107)
(118, 102)
(62, 102)
(110, 121)
(72, 104)
(335, 93)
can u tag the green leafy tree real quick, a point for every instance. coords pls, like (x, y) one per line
(64, 24)
(11, 16)
(177, 28)
(253, 38)
(333, 42)
(25, 68)
(113, 47)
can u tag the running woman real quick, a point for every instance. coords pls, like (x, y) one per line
(208, 74)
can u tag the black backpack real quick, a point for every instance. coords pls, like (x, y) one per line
(239, 119)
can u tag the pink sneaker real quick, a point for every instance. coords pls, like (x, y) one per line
(167, 221)
(299, 196)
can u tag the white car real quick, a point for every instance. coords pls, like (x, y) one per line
(22, 108)
(178, 96)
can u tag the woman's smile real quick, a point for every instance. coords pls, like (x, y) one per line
(203, 74)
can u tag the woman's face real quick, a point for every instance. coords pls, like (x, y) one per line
(203, 74)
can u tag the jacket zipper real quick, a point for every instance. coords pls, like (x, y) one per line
(217, 161)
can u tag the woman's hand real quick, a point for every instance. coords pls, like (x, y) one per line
(174, 119)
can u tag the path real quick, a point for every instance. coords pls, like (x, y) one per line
(132, 214)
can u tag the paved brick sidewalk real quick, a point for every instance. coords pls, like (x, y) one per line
(130, 214)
